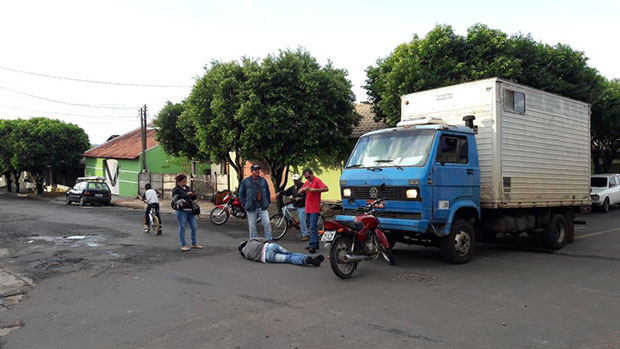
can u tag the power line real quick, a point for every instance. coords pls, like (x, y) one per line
(93, 81)
(61, 102)
(118, 117)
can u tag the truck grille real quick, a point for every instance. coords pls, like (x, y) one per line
(388, 193)
(385, 214)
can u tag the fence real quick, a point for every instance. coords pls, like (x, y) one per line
(203, 185)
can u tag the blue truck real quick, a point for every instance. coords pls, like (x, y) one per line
(471, 161)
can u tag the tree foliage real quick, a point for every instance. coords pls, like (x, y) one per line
(444, 58)
(7, 151)
(606, 127)
(284, 110)
(176, 133)
(38, 144)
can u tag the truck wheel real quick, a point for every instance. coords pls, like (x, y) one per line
(554, 236)
(458, 246)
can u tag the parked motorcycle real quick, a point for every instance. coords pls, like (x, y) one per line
(231, 206)
(353, 242)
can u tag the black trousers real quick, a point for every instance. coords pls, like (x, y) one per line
(148, 210)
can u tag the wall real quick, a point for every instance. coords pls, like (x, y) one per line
(157, 161)
(127, 174)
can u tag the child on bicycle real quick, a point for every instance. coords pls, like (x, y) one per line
(150, 197)
(298, 203)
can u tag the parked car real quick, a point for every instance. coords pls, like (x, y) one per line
(92, 190)
(605, 190)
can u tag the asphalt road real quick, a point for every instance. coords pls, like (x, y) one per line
(119, 287)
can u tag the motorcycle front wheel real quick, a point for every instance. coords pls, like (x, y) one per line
(218, 216)
(340, 248)
(386, 253)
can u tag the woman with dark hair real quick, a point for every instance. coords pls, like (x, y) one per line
(182, 197)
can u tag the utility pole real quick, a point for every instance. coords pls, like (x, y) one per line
(143, 127)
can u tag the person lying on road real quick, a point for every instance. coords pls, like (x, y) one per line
(261, 250)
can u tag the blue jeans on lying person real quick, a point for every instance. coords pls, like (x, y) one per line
(275, 253)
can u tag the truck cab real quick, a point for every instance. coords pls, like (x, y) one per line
(427, 173)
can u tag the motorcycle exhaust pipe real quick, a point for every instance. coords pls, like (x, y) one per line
(355, 258)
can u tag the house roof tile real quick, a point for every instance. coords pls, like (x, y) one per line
(367, 122)
(127, 146)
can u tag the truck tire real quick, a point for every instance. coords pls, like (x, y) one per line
(555, 233)
(458, 246)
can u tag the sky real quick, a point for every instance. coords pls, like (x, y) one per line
(170, 42)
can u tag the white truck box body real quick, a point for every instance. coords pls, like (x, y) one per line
(536, 158)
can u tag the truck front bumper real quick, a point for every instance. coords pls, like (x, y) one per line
(415, 226)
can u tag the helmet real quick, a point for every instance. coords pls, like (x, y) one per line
(296, 177)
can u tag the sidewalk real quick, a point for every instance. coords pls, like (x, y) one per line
(164, 205)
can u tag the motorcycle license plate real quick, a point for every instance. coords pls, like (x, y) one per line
(328, 235)
(379, 205)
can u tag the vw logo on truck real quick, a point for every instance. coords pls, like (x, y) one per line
(374, 193)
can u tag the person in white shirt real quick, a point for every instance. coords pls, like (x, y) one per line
(150, 197)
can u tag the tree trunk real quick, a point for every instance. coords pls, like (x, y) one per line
(279, 178)
(237, 165)
(38, 182)
(16, 178)
(9, 182)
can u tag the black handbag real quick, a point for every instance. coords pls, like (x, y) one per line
(195, 208)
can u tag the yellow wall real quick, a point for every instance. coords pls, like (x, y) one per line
(331, 178)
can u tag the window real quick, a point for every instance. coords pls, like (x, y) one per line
(453, 150)
(598, 182)
(514, 101)
(612, 182)
(392, 148)
(97, 185)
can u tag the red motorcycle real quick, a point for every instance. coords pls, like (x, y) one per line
(231, 206)
(353, 242)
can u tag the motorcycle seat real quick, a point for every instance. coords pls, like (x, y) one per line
(352, 225)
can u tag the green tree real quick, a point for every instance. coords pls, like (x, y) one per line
(444, 58)
(606, 127)
(285, 110)
(41, 143)
(176, 134)
(7, 149)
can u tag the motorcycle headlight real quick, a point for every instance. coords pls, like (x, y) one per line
(346, 192)
(411, 193)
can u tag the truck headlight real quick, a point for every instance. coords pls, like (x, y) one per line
(411, 193)
(346, 192)
(595, 197)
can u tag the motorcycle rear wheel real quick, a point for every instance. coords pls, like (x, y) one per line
(218, 216)
(340, 248)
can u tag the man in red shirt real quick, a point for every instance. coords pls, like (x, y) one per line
(313, 187)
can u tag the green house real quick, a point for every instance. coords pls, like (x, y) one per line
(119, 160)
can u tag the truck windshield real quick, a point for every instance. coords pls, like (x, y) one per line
(392, 148)
(598, 182)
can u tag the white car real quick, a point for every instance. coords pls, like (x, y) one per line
(605, 190)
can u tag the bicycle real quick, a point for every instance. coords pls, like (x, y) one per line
(154, 224)
(280, 222)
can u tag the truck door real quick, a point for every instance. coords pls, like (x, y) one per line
(454, 174)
